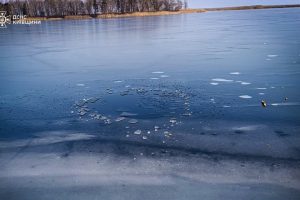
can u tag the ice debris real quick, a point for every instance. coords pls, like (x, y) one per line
(221, 80)
(245, 97)
(133, 121)
(137, 132)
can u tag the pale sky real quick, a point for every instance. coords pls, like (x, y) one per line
(224, 3)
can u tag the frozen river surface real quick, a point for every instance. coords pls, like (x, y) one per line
(160, 107)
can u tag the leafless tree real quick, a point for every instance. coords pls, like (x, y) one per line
(54, 8)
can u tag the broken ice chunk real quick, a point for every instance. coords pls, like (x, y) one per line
(145, 138)
(173, 120)
(119, 119)
(158, 72)
(272, 55)
(245, 83)
(245, 97)
(128, 114)
(137, 132)
(133, 121)
(221, 80)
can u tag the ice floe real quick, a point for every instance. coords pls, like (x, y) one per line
(272, 56)
(137, 132)
(133, 121)
(173, 121)
(221, 80)
(235, 73)
(128, 114)
(286, 104)
(247, 128)
(145, 137)
(245, 97)
(213, 83)
(245, 83)
(120, 119)
(158, 72)
(225, 106)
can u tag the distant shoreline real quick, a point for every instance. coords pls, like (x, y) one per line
(162, 13)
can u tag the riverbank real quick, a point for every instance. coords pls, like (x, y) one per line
(162, 13)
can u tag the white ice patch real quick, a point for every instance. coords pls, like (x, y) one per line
(158, 72)
(226, 106)
(261, 88)
(137, 132)
(118, 81)
(247, 128)
(245, 83)
(272, 56)
(235, 73)
(128, 114)
(214, 83)
(286, 104)
(261, 93)
(133, 121)
(120, 119)
(245, 97)
(80, 84)
(145, 137)
(221, 80)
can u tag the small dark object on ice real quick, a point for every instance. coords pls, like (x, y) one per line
(286, 98)
(264, 103)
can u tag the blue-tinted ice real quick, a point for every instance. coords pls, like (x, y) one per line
(155, 87)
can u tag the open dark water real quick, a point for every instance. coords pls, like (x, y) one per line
(191, 83)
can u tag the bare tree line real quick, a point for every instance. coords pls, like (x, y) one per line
(60, 8)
